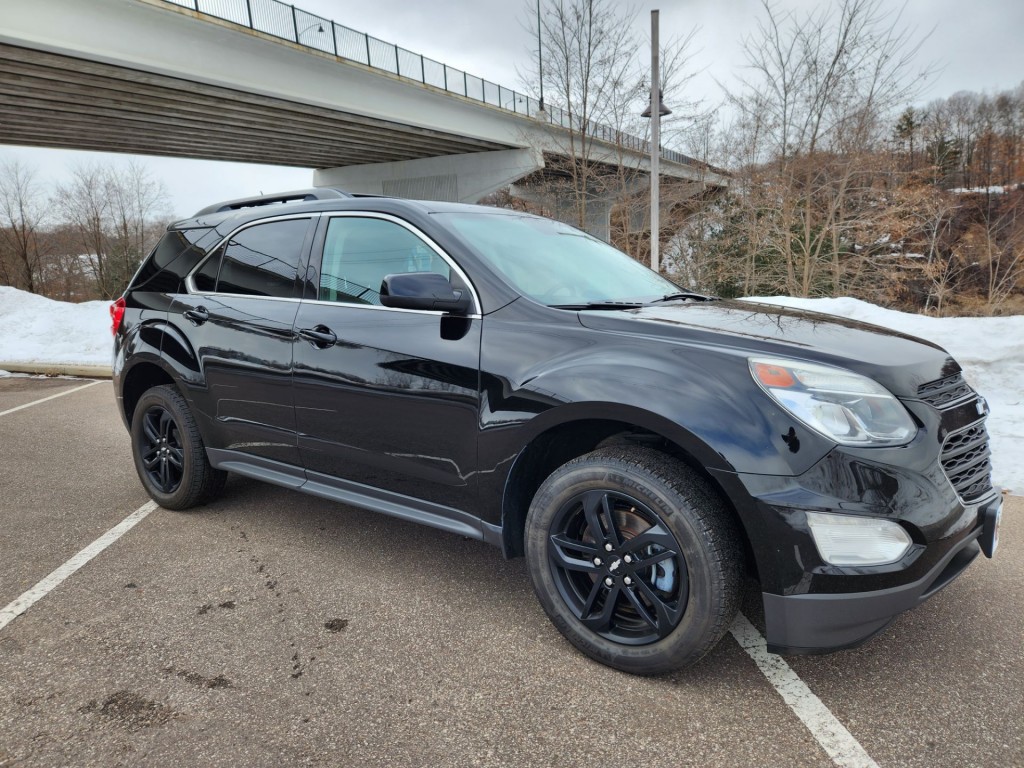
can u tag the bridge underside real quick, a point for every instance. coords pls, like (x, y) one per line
(52, 100)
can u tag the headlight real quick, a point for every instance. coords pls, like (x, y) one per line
(842, 405)
(852, 540)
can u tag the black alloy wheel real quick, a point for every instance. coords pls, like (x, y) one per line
(162, 453)
(170, 457)
(635, 558)
(618, 567)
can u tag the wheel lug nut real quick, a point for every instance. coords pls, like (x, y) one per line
(627, 581)
(608, 547)
(597, 561)
(608, 581)
(627, 559)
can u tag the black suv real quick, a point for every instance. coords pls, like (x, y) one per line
(512, 379)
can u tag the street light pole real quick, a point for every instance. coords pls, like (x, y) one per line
(540, 59)
(655, 142)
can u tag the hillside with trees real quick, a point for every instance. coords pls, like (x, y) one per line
(924, 211)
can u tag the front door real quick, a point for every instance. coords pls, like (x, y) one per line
(385, 398)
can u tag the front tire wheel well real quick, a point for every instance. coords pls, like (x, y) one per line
(560, 445)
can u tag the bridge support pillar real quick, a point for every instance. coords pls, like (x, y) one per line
(452, 178)
(561, 204)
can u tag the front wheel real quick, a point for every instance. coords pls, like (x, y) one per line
(634, 558)
(170, 457)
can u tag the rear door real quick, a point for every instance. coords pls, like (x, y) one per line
(385, 398)
(238, 315)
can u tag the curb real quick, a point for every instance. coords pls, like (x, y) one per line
(57, 369)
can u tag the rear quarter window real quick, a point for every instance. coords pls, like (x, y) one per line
(177, 254)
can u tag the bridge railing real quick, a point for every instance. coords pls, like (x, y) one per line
(287, 22)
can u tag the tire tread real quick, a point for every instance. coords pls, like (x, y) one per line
(714, 523)
(204, 482)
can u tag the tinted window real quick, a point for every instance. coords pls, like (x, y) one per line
(177, 253)
(206, 278)
(260, 261)
(360, 253)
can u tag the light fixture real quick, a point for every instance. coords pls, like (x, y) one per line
(662, 109)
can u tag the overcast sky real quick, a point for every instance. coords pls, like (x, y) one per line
(977, 44)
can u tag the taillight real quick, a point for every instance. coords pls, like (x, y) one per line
(116, 315)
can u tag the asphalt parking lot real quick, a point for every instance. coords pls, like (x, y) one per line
(272, 628)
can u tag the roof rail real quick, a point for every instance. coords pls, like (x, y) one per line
(306, 195)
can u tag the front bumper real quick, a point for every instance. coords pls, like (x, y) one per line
(813, 607)
(822, 623)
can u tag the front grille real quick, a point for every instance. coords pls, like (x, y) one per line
(966, 460)
(944, 392)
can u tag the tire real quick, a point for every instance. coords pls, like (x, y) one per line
(657, 585)
(169, 454)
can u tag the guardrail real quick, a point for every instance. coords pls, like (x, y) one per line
(287, 22)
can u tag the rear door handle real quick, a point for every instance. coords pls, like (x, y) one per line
(319, 336)
(197, 316)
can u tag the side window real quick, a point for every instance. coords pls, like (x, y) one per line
(177, 253)
(262, 260)
(206, 276)
(359, 253)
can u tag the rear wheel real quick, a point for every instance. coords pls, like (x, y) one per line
(634, 558)
(169, 454)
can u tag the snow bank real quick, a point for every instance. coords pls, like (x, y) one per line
(35, 329)
(990, 350)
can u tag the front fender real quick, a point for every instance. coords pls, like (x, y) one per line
(707, 403)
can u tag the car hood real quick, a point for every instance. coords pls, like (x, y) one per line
(899, 362)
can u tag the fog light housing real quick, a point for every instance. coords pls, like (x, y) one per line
(852, 540)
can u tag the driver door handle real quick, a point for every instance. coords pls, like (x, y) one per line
(197, 316)
(319, 336)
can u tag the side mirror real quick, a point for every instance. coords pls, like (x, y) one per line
(423, 290)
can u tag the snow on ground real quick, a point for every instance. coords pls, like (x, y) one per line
(990, 349)
(995, 189)
(34, 329)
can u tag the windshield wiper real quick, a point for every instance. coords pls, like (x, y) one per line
(682, 295)
(600, 305)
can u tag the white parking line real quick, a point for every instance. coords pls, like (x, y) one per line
(832, 735)
(22, 603)
(51, 397)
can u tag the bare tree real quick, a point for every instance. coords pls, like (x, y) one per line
(590, 70)
(812, 113)
(135, 200)
(83, 205)
(112, 211)
(23, 211)
(596, 83)
(998, 245)
(67, 275)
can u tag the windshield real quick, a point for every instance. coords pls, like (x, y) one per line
(554, 263)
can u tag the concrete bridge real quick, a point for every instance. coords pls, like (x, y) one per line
(258, 81)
